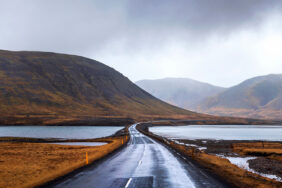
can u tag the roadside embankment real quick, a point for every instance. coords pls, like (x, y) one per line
(221, 166)
(32, 162)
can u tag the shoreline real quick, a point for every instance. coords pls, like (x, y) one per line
(218, 165)
(262, 154)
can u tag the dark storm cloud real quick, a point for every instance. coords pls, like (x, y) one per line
(200, 15)
(197, 18)
(86, 26)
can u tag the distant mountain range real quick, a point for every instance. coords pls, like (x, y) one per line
(259, 97)
(49, 86)
(183, 92)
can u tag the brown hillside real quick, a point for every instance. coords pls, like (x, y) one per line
(53, 86)
(259, 97)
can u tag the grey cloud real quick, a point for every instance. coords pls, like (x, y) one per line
(58, 25)
(199, 17)
(85, 26)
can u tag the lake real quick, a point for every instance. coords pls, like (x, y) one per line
(221, 132)
(63, 132)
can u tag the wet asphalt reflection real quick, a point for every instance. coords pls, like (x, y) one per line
(142, 163)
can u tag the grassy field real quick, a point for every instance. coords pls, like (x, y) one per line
(26, 164)
(258, 148)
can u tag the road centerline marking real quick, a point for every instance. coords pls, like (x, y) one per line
(128, 182)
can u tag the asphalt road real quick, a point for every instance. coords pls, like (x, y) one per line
(142, 163)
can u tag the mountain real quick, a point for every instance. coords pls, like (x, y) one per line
(182, 92)
(259, 97)
(43, 88)
(47, 87)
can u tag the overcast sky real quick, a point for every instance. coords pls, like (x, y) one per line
(222, 42)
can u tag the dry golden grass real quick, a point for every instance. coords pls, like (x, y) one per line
(266, 145)
(262, 151)
(261, 148)
(33, 164)
(271, 150)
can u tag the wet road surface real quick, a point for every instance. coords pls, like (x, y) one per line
(142, 163)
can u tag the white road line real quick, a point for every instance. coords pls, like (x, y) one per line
(128, 182)
(139, 162)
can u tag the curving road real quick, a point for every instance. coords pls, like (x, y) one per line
(142, 163)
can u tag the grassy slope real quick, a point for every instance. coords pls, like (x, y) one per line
(259, 97)
(47, 86)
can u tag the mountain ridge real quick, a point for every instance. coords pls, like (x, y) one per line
(258, 97)
(50, 84)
